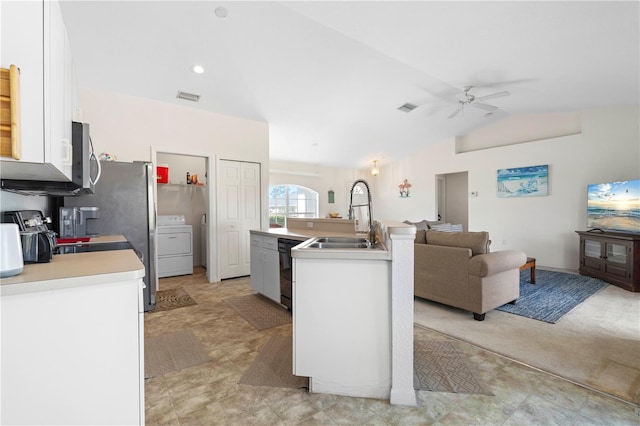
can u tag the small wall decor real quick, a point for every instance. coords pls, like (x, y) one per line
(105, 156)
(529, 181)
(332, 196)
(404, 188)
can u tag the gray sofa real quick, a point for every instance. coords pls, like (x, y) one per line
(457, 269)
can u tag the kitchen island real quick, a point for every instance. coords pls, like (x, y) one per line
(353, 317)
(72, 341)
(265, 259)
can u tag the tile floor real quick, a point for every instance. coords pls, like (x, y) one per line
(209, 394)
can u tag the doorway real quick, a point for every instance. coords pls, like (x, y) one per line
(194, 201)
(452, 199)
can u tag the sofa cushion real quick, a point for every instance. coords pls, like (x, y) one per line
(421, 237)
(478, 242)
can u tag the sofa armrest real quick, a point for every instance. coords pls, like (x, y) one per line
(487, 264)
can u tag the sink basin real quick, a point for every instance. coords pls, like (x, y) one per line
(331, 245)
(342, 240)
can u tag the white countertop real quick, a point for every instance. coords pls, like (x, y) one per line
(389, 227)
(75, 270)
(301, 234)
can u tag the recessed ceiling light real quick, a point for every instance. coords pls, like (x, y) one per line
(221, 12)
(198, 69)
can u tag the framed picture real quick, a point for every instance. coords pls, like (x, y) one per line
(529, 181)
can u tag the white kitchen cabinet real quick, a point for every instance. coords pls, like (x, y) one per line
(74, 356)
(34, 38)
(265, 266)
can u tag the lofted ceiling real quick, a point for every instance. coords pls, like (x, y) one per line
(329, 77)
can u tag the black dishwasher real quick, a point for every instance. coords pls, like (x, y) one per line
(286, 270)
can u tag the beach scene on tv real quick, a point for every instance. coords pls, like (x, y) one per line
(614, 206)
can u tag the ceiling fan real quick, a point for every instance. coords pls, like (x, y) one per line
(471, 100)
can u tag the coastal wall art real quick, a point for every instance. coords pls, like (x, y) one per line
(531, 181)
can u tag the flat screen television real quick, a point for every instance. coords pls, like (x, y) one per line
(614, 206)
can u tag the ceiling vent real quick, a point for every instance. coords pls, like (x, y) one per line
(188, 96)
(407, 107)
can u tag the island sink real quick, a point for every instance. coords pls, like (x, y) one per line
(339, 243)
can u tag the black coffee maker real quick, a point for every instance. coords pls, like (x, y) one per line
(38, 241)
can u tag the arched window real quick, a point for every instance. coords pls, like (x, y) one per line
(291, 201)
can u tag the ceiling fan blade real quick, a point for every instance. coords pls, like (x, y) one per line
(485, 107)
(493, 96)
(454, 113)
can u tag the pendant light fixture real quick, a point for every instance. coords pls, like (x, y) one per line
(374, 170)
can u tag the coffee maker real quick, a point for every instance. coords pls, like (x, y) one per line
(73, 221)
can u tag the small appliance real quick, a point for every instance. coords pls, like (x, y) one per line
(11, 262)
(74, 221)
(37, 240)
(84, 163)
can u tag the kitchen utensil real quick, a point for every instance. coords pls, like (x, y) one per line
(11, 262)
(37, 246)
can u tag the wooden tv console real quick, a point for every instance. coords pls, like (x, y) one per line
(613, 257)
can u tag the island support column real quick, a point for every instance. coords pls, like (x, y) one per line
(402, 390)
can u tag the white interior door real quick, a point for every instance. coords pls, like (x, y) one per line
(238, 212)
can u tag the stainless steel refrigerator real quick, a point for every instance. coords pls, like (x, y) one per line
(124, 194)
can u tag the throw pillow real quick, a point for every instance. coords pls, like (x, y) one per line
(430, 223)
(444, 227)
(456, 228)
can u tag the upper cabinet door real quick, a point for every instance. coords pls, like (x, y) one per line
(34, 39)
(22, 45)
(58, 91)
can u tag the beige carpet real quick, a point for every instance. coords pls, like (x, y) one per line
(597, 344)
(259, 311)
(274, 365)
(172, 352)
(172, 299)
(440, 367)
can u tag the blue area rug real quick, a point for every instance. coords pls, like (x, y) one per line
(553, 295)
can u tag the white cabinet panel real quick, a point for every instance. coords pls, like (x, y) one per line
(34, 39)
(78, 361)
(265, 266)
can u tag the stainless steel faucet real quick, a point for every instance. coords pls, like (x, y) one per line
(372, 231)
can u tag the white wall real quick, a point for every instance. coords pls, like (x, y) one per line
(544, 227)
(10, 201)
(128, 127)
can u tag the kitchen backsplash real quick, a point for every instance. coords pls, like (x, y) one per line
(10, 201)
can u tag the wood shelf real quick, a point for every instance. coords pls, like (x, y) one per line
(10, 143)
(174, 185)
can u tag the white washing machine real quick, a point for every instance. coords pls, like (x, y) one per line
(175, 246)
